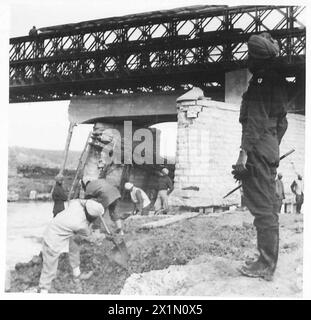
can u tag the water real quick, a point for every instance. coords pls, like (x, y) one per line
(26, 222)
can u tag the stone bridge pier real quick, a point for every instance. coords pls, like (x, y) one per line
(206, 138)
(208, 141)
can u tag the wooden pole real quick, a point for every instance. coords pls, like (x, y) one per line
(82, 160)
(68, 140)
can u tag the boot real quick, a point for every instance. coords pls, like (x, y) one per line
(268, 247)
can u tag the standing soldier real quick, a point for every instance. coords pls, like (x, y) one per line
(263, 119)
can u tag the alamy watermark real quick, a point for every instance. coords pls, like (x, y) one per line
(127, 145)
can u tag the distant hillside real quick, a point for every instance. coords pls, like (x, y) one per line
(34, 169)
(45, 158)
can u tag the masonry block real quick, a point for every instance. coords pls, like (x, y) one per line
(208, 146)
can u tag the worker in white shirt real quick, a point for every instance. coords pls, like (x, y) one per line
(58, 238)
(139, 198)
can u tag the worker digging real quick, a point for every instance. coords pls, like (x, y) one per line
(140, 199)
(59, 235)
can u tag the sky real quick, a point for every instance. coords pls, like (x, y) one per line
(44, 125)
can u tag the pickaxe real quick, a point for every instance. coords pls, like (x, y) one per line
(240, 185)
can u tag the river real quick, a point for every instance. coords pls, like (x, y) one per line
(26, 222)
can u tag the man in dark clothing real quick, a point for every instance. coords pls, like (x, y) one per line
(297, 189)
(280, 194)
(59, 195)
(165, 187)
(33, 32)
(263, 119)
(106, 194)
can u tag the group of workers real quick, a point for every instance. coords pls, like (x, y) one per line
(296, 188)
(263, 119)
(99, 196)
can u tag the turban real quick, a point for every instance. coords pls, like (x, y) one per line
(59, 178)
(262, 46)
(94, 208)
(165, 171)
(128, 186)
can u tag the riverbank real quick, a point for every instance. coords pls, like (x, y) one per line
(197, 256)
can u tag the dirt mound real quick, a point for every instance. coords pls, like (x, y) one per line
(213, 276)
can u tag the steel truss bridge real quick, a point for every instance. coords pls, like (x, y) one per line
(159, 50)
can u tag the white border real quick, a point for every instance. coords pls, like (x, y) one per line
(4, 58)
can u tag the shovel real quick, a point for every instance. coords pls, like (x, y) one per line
(119, 253)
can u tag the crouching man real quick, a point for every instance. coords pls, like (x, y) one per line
(139, 198)
(58, 238)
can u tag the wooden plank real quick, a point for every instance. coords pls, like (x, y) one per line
(80, 166)
(68, 140)
(170, 220)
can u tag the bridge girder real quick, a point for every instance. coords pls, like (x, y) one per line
(152, 51)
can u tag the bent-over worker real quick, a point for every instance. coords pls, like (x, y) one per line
(139, 198)
(58, 238)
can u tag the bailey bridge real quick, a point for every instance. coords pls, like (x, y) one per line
(135, 67)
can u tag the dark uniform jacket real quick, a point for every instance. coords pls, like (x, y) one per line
(263, 119)
(164, 183)
(103, 191)
(263, 115)
(59, 196)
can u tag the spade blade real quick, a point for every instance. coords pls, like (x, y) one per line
(120, 255)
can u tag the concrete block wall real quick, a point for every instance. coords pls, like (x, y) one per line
(208, 144)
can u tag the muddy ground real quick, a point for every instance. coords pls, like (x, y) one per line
(198, 256)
